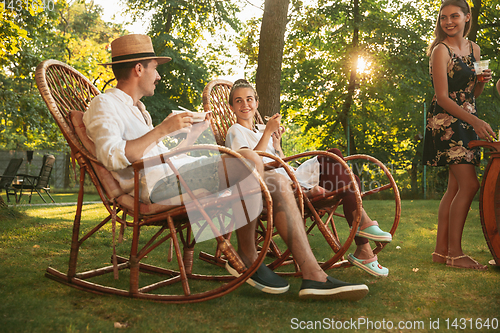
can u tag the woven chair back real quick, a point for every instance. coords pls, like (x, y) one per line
(67, 92)
(64, 89)
(216, 100)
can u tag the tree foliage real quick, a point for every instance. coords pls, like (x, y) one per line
(179, 29)
(357, 69)
(73, 33)
(354, 72)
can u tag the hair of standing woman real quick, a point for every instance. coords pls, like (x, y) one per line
(241, 83)
(439, 34)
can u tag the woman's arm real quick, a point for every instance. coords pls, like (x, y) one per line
(478, 90)
(440, 60)
(272, 127)
(277, 141)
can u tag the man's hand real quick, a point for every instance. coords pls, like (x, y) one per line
(176, 123)
(198, 128)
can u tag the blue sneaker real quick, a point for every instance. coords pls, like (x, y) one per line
(332, 289)
(263, 279)
(370, 266)
(372, 232)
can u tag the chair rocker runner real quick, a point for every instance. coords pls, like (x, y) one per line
(320, 209)
(67, 94)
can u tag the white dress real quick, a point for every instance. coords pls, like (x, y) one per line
(239, 136)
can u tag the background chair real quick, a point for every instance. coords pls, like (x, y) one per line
(8, 177)
(152, 227)
(320, 210)
(37, 183)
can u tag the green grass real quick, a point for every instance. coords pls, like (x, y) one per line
(415, 291)
(59, 198)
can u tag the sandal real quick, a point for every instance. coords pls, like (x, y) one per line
(452, 264)
(372, 232)
(441, 256)
(370, 266)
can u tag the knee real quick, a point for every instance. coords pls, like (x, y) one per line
(336, 151)
(325, 161)
(471, 187)
(475, 186)
(277, 184)
(252, 157)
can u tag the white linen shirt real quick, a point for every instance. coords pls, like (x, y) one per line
(238, 137)
(111, 121)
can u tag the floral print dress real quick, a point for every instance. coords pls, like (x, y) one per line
(446, 137)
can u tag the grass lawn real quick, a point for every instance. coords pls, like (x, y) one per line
(59, 198)
(418, 294)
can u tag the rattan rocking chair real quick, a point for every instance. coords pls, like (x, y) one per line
(489, 199)
(320, 209)
(151, 227)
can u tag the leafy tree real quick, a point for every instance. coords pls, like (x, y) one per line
(271, 44)
(86, 38)
(486, 33)
(72, 33)
(22, 111)
(10, 32)
(329, 97)
(328, 94)
(177, 29)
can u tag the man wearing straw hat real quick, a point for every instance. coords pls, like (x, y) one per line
(122, 131)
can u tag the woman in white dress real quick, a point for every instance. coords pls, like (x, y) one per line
(317, 174)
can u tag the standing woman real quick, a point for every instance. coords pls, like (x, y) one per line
(451, 124)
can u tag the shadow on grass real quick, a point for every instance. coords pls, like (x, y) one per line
(417, 294)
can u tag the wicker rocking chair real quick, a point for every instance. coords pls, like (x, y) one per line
(320, 209)
(67, 94)
(489, 199)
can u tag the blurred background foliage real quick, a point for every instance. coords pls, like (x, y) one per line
(354, 72)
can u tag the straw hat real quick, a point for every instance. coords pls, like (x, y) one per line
(132, 48)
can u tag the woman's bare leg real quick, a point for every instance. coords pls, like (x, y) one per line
(288, 222)
(441, 250)
(468, 185)
(246, 234)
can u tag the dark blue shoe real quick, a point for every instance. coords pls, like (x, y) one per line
(264, 279)
(332, 289)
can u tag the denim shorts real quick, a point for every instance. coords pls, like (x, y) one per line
(202, 173)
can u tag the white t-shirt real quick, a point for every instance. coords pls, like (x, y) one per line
(111, 121)
(239, 136)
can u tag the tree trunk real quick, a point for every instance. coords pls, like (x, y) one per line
(351, 88)
(271, 45)
(475, 20)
